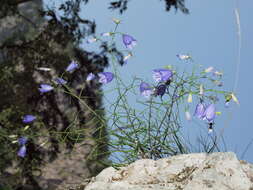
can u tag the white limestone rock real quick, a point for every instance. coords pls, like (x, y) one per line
(216, 171)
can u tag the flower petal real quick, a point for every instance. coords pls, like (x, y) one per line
(22, 141)
(22, 151)
(146, 90)
(160, 90)
(90, 77)
(28, 118)
(60, 81)
(105, 77)
(209, 114)
(200, 110)
(129, 41)
(45, 88)
(162, 75)
(188, 116)
(72, 66)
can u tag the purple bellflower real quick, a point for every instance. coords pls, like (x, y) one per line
(22, 151)
(28, 118)
(209, 113)
(105, 77)
(129, 41)
(45, 88)
(90, 77)
(162, 75)
(60, 81)
(200, 110)
(146, 90)
(72, 66)
(22, 141)
(160, 90)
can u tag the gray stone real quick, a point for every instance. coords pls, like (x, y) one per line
(216, 171)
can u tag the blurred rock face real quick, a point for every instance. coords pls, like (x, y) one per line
(187, 172)
(66, 132)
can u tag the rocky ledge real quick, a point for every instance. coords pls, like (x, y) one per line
(216, 171)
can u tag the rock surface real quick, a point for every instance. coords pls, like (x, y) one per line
(216, 171)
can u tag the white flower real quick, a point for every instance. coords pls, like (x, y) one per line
(189, 100)
(201, 90)
(209, 69)
(188, 116)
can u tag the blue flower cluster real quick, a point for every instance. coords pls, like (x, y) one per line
(163, 77)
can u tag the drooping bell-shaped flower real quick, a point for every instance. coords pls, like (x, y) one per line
(22, 151)
(184, 57)
(28, 118)
(60, 81)
(128, 56)
(107, 33)
(45, 88)
(210, 113)
(200, 110)
(160, 90)
(90, 77)
(146, 90)
(162, 75)
(189, 99)
(105, 77)
(188, 116)
(72, 66)
(116, 21)
(129, 41)
(22, 141)
(201, 90)
(209, 69)
(92, 40)
(234, 98)
(217, 73)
